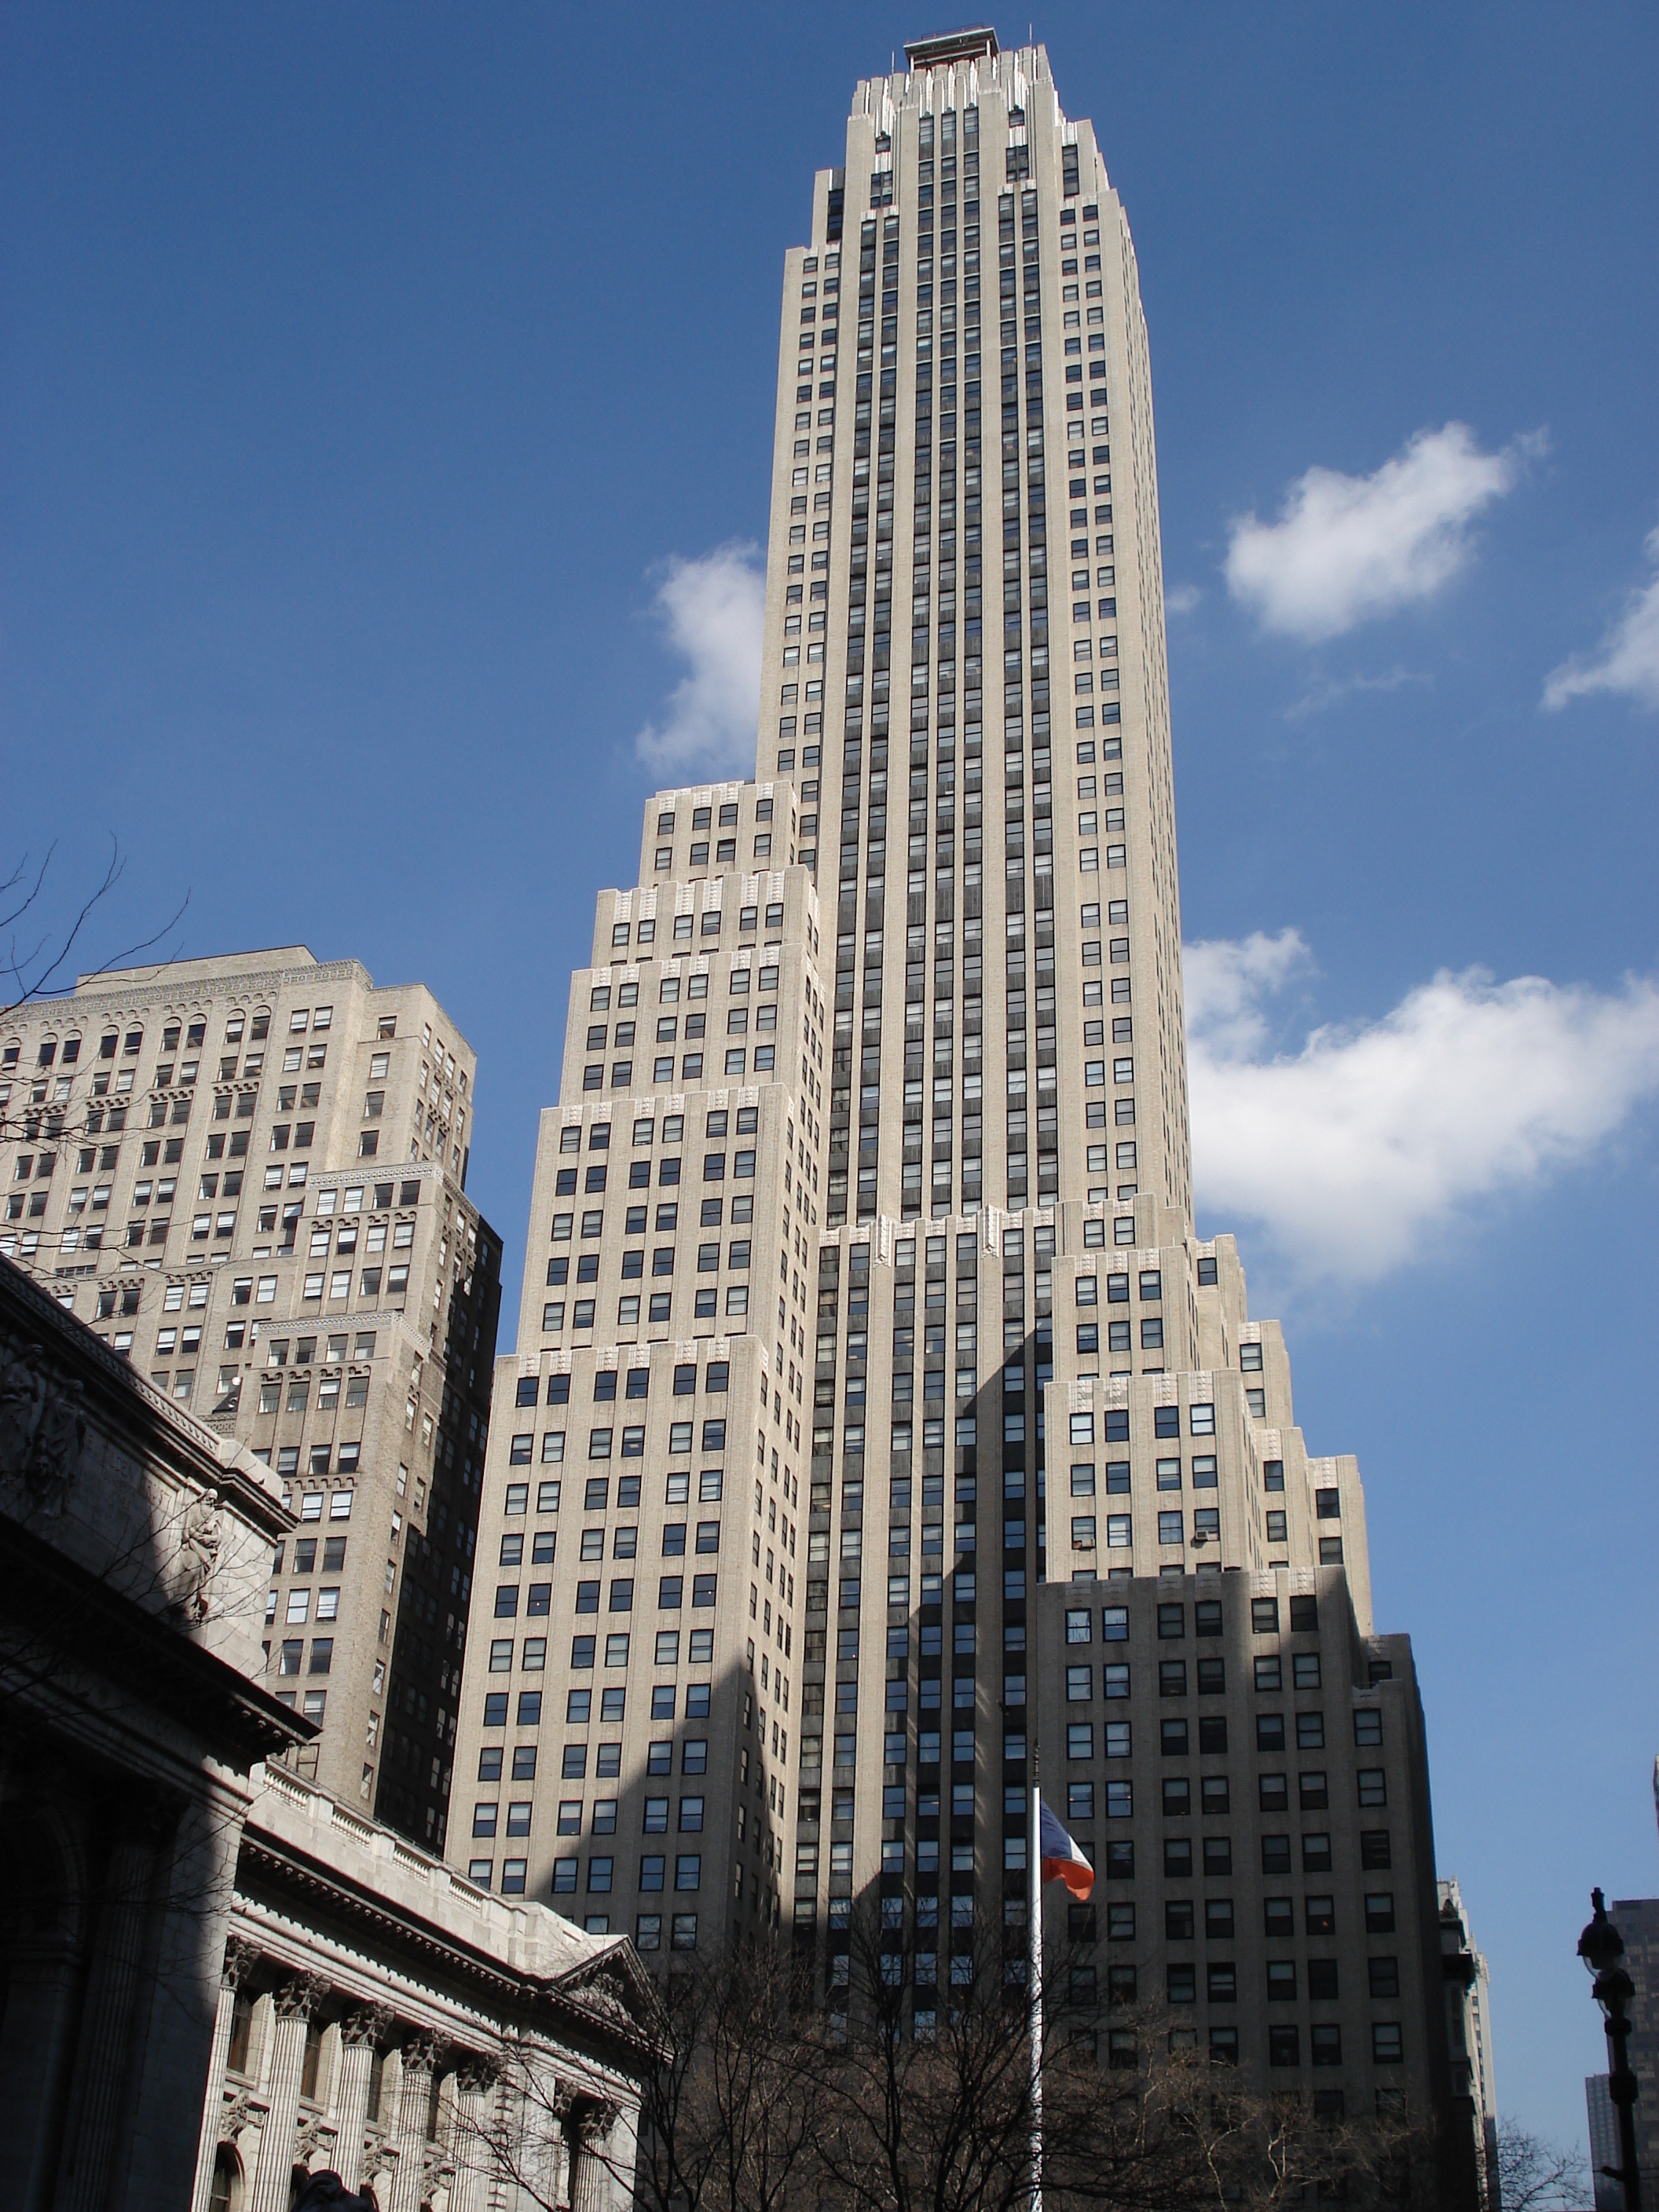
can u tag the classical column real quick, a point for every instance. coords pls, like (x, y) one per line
(238, 1957)
(91, 2154)
(474, 2096)
(293, 2006)
(360, 2032)
(42, 2015)
(536, 2121)
(623, 2153)
(420, 2057)
(590, 2170)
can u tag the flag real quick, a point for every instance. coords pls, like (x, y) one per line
(1061, 1859)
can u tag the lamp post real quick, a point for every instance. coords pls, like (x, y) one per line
(1601, 1947)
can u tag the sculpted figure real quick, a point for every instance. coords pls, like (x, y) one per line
(199, 1543)
(23, 1397)
(59, 1437)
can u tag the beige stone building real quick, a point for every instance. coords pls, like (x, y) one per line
(210, 1965)
(246, 1176)
(868, 1355)
(134, 1550)
(380, 2017)
(652, 1437)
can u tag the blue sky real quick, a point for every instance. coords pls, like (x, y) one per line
(361, 371)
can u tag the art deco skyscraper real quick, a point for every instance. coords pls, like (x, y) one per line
(961, 578)
(891, 1205)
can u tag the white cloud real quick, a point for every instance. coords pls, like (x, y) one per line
(1321, 695)
(712, 609)
(1358, 1148)
(1183, 599)
(1226, 980)
(1627, 658)
(1345, 548)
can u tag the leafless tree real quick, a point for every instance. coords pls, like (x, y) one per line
(679, 2151)
(898, 2092)
(37, 952)
(733, 2095)
(933, 2108)
(766, 2064)
(932, 2111)
(1160, 2128)
(35, 957)
(1536, 2175)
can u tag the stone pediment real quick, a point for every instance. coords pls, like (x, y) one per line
(616, 1991)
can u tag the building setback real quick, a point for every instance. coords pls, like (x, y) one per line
(245, 1174)
(869, 1363)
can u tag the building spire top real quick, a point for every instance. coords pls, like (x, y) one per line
(946, 46)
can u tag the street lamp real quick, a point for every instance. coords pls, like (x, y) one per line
(1601, 1946)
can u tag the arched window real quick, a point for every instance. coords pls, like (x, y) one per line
(226, 2193)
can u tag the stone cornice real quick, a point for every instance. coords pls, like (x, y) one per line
(293, 1846)
(53, 1596)
(188, 1447)
(171, 987)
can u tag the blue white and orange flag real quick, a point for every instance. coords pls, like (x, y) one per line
(1061, 1859)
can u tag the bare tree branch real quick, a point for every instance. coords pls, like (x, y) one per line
(907, 2087)
(730, 2112)
(1536, 2175)
(31, 972)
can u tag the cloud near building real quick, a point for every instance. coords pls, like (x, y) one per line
(1347, 550)
(711, 609)
(1358, 1146)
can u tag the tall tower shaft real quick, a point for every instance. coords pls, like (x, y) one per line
(964, 667)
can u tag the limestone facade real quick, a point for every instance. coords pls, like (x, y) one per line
(625, 1747)
(212, 1967)
(136, 1544)
(380, 2016)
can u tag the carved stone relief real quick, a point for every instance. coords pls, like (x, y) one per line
(43, 1426)
(201, 1537)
